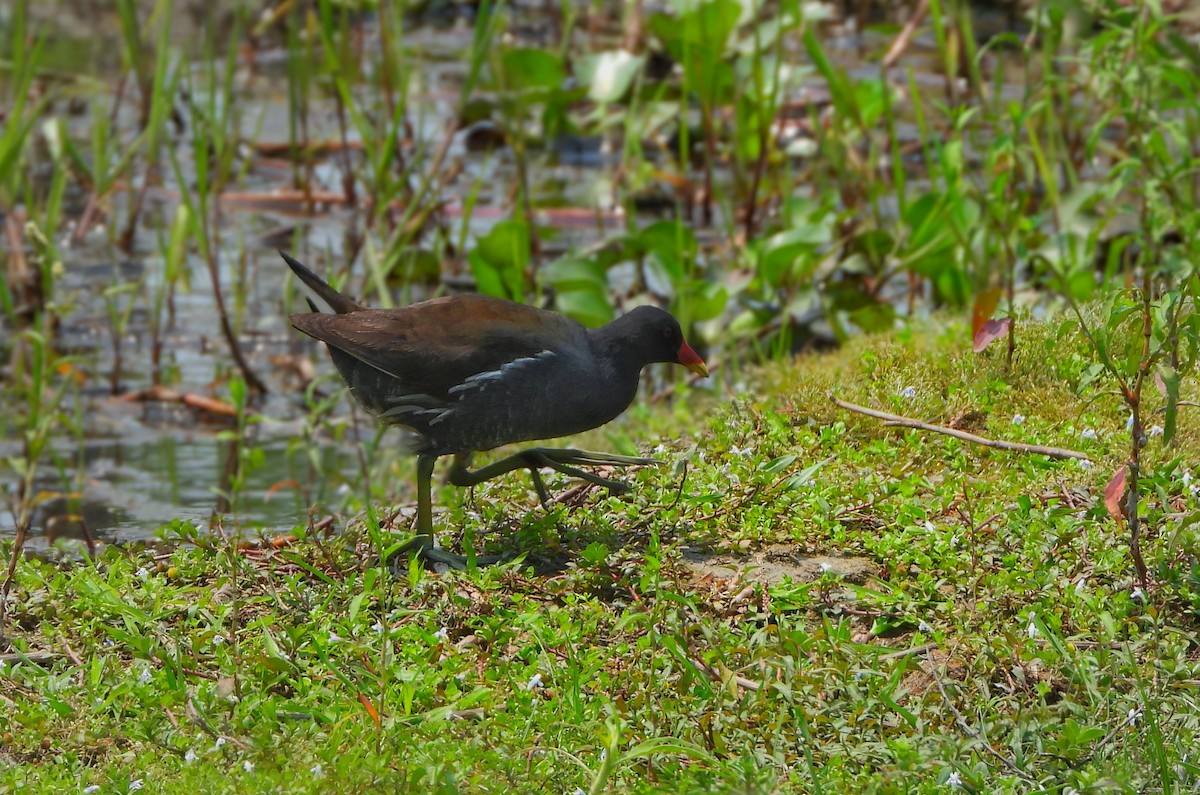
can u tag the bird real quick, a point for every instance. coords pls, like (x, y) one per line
(468, 372)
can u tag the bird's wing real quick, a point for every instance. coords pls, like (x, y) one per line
(439, 348)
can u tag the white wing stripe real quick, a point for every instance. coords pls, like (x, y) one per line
(480, 380)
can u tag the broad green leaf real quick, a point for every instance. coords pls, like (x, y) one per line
(589, 306)
(671, 238)
(595, 552)
(571, 273)
(499, 260)
(697, 39)
(527, 68)
(702, 300)
(779, 252)
(874, 317)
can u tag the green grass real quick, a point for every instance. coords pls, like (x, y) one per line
(998, 641)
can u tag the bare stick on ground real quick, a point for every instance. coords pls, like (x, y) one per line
(908, 422)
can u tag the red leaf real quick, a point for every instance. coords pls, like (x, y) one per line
(991, 331)
(1114, 494)
(366, 702)
(985, 306)
(282, 484)
(1160, 383)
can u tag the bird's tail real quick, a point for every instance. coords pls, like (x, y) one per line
(337, 302)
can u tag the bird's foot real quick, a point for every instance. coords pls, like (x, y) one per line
(569, 455)
(562, 460)
(438, 558)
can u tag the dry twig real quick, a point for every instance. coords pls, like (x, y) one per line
(908, 422)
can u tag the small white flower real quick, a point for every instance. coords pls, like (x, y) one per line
(190, 756)
(1032, 630)
(1085, 463)
(1088, 433)
(1129, 423)
(579, 791)
(442, 634)
(1134, 715)
(317, 770)
(603, 754)
(929, 528)
(824, 567)
(377, 627)
(908, 393)
(1155, 430)
(742, 451)
(90, 788)
(924, 627)
(955, 541)
(534, 682)
(142, 573)
(954, 779)
(144, 676)
(1137, 595)
(1187, 478)
(1081, 587)
(248, 766)
(1018, 419)
(220, 741)
(136, 785)
(334, 638)
(218, 640)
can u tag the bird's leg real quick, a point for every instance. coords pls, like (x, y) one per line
(558, 458)
(425, 496)
(423, 545)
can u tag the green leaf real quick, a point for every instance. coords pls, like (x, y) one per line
(697, 39)
(530, 68)
(1168, 378)
(777, 465)
(499, 260)
(701, 300)
(780, 252)
(871, 97)
(589, 306)
(570, 273)
(874, 318)
(672, 247)
(668, 238)
(804, 477)
(595, 553)
(416, 265)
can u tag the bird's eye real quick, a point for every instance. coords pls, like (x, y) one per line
(667, 332)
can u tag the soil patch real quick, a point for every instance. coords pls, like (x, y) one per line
(778, 562)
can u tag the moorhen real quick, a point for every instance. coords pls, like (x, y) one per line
(469, 372)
